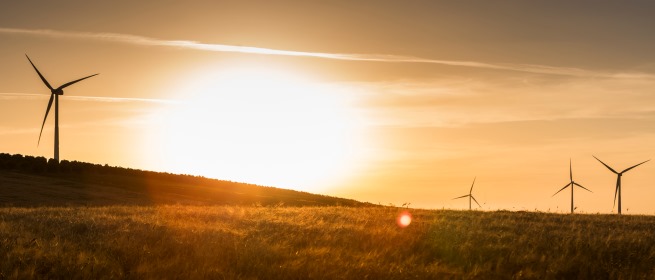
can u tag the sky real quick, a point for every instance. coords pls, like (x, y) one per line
(389, 102)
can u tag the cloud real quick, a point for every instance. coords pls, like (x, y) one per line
(14, 96)
(388, 58)
(455, 101)
(126, 112)
(6, 130)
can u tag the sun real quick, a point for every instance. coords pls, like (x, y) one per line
(260, 125)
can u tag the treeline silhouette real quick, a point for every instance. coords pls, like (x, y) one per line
(170, 188)
(30, 164)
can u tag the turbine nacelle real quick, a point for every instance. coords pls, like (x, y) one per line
(571, 184)
(617, 190)
(470, 196)
(54, 96)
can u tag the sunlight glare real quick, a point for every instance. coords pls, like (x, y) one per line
(260, 125)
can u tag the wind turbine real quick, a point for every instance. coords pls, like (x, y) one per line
(54, 94)
(470, 196)
(618, 180)
(572, 184)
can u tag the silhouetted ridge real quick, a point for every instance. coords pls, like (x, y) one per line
(34, 181)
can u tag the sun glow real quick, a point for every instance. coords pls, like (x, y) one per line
(262, 126)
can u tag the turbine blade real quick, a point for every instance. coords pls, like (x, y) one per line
(615, 192)
(606, 165)
(476, 202)
(570, 170)
(581, 186)
(70, 83)
(37, 71)
(52, 96)
(635, 166)
(463, 196)
(471, 190)
(567, 185)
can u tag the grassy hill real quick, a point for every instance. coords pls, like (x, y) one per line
(30, 181)
(83, 221)
(244, 242)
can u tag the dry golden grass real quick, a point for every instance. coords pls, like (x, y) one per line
(236, 242)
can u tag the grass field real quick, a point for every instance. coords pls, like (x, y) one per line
(248, 242)
(98, 222)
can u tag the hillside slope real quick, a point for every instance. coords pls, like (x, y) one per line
(30, 181)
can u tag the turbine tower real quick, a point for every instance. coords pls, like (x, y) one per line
(54, 94)
(618, 180)
(470, 196)
(572, 184)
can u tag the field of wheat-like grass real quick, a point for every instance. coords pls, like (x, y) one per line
(235, 242)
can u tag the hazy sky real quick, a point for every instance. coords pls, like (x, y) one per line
(380, 101)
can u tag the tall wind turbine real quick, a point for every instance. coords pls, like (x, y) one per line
(470, 196)
(572, 184)
(54, 94)
(618, 180)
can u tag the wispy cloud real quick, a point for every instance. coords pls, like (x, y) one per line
(452, 102)
(5, 130)
(14, 96)
(389, 58)
(131, 121)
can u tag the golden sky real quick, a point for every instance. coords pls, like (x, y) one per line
(380, 101)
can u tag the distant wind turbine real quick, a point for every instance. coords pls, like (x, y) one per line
(54, 94)
(618, 180)
(572, 184)
(470, 196)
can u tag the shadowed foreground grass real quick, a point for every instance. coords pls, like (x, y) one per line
(231, 242)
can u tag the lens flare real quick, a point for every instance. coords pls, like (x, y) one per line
(404, 219)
